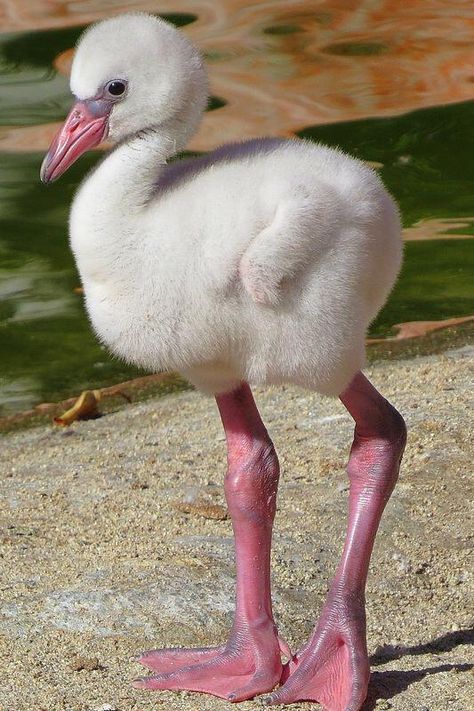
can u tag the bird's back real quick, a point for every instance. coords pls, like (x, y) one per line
(262, 261)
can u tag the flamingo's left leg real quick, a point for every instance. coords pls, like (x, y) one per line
(333, 667)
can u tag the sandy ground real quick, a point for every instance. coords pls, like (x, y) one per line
(100, 559)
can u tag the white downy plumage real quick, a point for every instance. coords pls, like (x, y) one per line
(263, 261)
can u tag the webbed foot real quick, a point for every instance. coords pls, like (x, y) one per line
(333, 668)
(248, 665)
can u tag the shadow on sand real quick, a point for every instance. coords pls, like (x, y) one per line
(387, 684)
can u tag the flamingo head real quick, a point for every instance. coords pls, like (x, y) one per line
(130, 73)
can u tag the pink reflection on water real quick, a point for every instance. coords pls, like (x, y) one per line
(283, 66)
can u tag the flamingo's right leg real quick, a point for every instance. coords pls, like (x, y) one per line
(250, 662)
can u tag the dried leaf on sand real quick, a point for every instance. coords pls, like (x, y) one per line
(85, 408)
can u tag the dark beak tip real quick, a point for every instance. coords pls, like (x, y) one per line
(47, 181)
(44, 176)
(43, 172)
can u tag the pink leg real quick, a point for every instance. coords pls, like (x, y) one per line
(333, 667)
(250, 662)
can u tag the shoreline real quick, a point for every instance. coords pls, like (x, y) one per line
(412, 339)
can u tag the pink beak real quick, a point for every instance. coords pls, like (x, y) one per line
(85, 127)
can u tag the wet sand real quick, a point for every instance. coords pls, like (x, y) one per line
(111, 544)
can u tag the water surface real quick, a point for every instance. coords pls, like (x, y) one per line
(425, 156)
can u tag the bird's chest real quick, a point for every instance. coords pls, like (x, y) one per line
(150, 293)
(142, 325)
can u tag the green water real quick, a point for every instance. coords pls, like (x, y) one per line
(427, 157)
(427, 162)
(47, 350)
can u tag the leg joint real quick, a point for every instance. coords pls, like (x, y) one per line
(385, 424)
(254, 468)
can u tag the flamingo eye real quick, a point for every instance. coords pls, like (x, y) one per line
(116, 88)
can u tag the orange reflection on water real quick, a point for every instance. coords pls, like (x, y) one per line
(284, 65)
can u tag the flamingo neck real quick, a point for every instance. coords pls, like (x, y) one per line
(126, 178)
(109, 211)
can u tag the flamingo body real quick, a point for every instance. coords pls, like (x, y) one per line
(263, 261)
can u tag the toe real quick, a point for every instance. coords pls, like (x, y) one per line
(169, 660)
(142, 682)
(281, 696)
(260, 683)
(192, 679)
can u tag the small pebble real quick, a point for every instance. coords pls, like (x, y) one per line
(140, 485)
(203, 508)
(86, 663)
